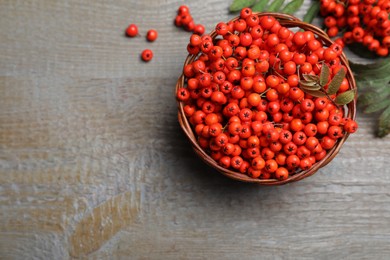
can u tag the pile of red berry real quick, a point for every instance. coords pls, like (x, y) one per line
(360, 21)
(184, 19)
(246, 95)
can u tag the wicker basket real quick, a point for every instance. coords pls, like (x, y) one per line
(289, 22)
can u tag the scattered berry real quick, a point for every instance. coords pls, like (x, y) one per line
(151, 35)
(184, 19)
(147, 55)
(132, 30)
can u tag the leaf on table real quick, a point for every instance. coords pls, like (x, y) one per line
(376, 70)
(292, 7)
(335, 83)
(372, 97)
(362, 51)
(374, 107)
(237, 5)
(384, 123)
(275, 5)
(345, 97)
(374, 78)
(312, 12)
(260, 6)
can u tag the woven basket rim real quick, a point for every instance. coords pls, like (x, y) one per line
(290, 22)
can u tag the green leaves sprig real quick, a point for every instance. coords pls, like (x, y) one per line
(237, 5)
(374, 81)
(321, 86)
(282, 6)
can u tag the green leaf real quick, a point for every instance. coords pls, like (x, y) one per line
(345, 97)
(384, 123)
(260, 6)
(377, 106)
(362, 51)
(364, 68)
(372, 97)
(315, 93)
(292, 7)
(375, 77)
(378, 69)
(372, 83)
(237, 5)
(335, 83)
(324, 75)
(312, 12)
(275, 6)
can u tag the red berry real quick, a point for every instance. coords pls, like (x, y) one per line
(147, 55)
(199, 29)
(183, 9)
(151, 35)
(132, 30)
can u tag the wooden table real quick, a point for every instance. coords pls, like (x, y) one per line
(94, 164)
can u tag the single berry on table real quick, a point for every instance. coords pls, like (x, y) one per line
(147, 55)
(132, 30)
(151, 35)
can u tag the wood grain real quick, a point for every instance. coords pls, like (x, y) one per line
(93, 163)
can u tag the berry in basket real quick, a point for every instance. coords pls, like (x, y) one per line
(265, 103)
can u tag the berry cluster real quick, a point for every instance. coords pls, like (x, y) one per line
(361, 21)
(243, 98)
(151, 35)
(184, 19)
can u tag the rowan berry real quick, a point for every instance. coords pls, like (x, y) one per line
(290, 148)
(224, 161)
(267, 22)
(299, 138)
(258, 163)
(253, 173)
(311, 143)
(240, 25)
(299, 38)
(132, 30)
(335, 132)
(199, 29)
(310, 129)
(321, 115)
(296, 93)
(236, 162)
(272, 81)
(183, 9)
(293, 80)
(151, 35)
(293, 161)
(271, 165)
(252, 20)
(351, 126)
(305, 164)
(256, 32)
(281, 173)
(245, 12)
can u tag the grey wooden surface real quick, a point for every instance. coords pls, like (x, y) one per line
(93, 163)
